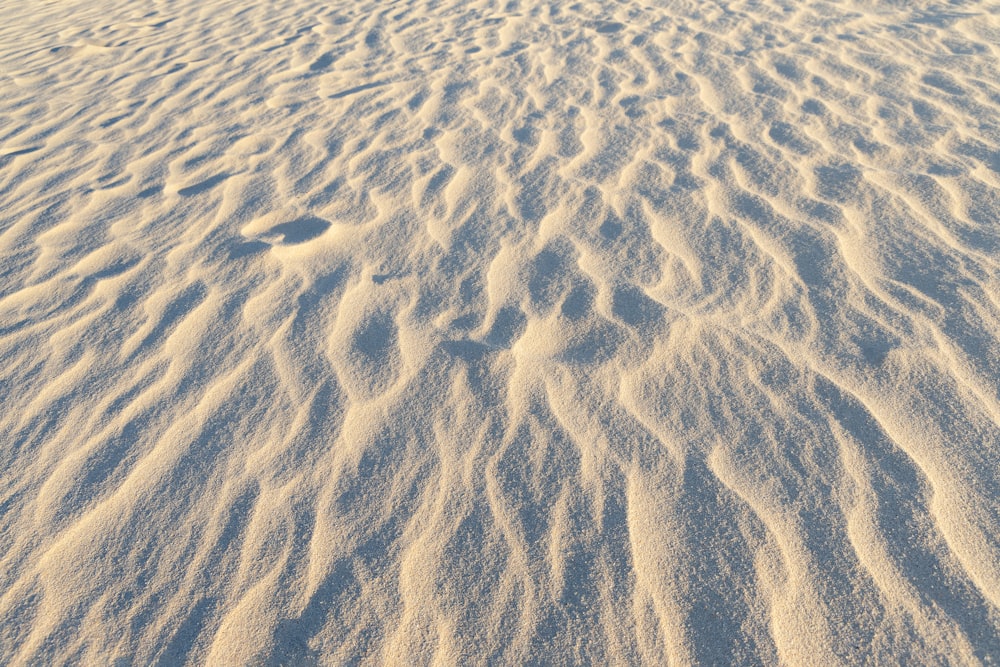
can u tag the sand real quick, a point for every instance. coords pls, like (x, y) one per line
(443, 332)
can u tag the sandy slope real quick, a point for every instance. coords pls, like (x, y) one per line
(452, 332)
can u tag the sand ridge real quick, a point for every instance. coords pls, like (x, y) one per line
(479, 332)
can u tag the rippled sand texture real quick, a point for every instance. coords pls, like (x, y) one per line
(453, 332)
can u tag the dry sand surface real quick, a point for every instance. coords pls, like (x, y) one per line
(476, 332)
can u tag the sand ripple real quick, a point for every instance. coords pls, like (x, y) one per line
(478, 332)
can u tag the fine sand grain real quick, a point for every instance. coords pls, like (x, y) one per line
(475, 332)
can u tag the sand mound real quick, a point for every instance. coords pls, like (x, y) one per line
(499, 333)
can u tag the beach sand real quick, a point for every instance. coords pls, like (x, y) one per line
(441, 332)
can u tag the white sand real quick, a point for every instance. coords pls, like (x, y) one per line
(477, 332)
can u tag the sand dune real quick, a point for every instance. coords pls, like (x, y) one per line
(438, 332)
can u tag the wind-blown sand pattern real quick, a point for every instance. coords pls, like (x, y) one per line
(499, 333)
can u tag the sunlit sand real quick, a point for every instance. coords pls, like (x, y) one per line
(459, 333)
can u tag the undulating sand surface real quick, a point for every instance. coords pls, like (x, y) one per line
(432, 331)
